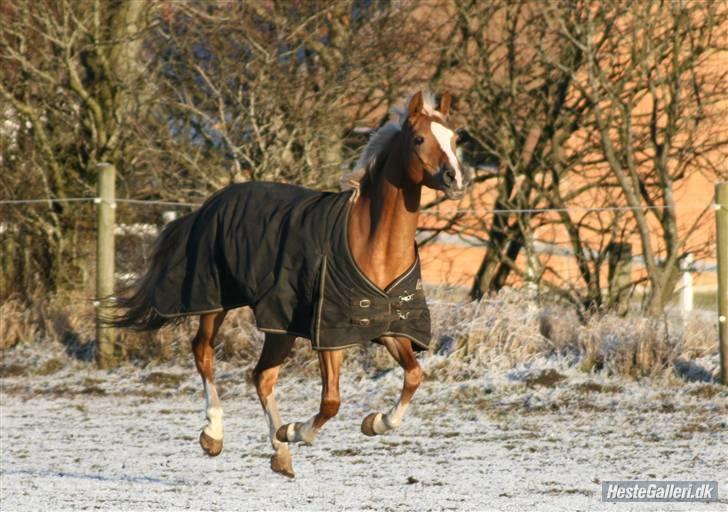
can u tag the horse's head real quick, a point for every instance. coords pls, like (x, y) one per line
(433, 148)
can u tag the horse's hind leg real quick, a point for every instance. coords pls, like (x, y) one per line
(275, 350)
(204, 352)
(401, 349)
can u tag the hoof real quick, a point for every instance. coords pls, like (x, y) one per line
(281, 464)
(210, 446)
(367, 426)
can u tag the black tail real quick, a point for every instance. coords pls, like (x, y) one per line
(135, 310)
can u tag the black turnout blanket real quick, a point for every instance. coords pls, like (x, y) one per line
(283, 250)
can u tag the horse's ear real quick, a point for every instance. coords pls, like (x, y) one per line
(445, 101)
(415, 104)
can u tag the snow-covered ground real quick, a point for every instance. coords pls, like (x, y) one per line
(523, 439)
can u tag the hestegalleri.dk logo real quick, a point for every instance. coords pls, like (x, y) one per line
(659, 490)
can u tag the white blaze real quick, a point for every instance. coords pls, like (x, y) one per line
(444, 137)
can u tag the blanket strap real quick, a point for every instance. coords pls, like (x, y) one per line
(383, 310)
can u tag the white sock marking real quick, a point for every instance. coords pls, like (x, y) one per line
(273, 418)
(390, 421)
(396, 415)
(378, 424)
(305, 433)
(213, 410)
(444, 136)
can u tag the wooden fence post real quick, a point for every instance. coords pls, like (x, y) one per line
(721, 217)
(106, 217)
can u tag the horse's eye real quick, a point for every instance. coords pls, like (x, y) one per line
(419, 140)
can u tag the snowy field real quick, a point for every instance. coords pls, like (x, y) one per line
(537, 438)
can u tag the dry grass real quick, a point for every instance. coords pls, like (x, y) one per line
(501, 332)
(17, 324)
(513, 329)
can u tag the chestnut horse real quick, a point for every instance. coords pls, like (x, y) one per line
(417, 151)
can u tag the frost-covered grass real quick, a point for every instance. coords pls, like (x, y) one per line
(500, 332)
(523, 407)
(539, 435)
(512, 329)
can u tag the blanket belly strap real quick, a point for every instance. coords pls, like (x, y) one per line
(350, 311)
(398, 301)
(377, 310)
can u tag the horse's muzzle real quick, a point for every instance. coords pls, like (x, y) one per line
(452, 193)
(450, 182)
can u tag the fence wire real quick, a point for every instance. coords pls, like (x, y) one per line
(432, 209)
(551, 262)
(94, 200)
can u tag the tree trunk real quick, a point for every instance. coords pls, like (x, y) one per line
(620, 276)
(485, 275)
(662, 289)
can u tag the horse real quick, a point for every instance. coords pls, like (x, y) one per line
(340, 269)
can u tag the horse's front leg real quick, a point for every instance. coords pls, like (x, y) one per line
(401, 349)
(203, 349)
(329, 364)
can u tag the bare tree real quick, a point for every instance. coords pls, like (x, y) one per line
(183, 97)
(521, 114)
(273, 90)
(583, 105)
(658, 110)
(72, 75)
